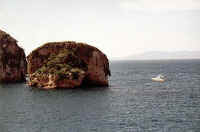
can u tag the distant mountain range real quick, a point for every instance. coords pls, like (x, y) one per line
(157, 55)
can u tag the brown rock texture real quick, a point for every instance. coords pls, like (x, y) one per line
(13, 65)
(67, 65)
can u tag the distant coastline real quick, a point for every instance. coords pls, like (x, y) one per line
(159, 55)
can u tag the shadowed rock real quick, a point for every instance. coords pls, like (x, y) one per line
(67, 65)
(13, 65)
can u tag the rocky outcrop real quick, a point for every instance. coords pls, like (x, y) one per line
(67, 65)
(13, 65)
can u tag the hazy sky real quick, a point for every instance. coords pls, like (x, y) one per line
(118, 27)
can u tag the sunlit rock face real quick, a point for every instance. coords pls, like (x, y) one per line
(67, 65)
(13, 65)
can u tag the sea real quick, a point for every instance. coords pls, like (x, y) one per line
(132, 102)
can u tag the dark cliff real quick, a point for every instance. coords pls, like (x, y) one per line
(13, 65)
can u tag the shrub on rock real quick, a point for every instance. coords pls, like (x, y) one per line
(67, 65)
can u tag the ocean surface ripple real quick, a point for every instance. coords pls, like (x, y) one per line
(132, 103)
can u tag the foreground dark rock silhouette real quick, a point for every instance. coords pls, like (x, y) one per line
(67, 65)
(13, 65)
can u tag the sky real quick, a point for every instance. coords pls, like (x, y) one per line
(117, 27)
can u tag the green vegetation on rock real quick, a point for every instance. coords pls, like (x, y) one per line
(65, 65)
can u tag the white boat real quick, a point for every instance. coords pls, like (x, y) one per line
(159, 78)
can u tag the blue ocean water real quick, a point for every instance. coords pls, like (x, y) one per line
(132, 102)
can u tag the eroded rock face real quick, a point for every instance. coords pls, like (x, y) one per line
(67, 65)
(13, 65)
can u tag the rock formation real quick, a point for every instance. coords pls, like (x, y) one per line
(13, 65)
(67, 65)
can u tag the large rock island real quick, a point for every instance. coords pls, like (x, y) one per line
(67, 65)
(13, 65)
